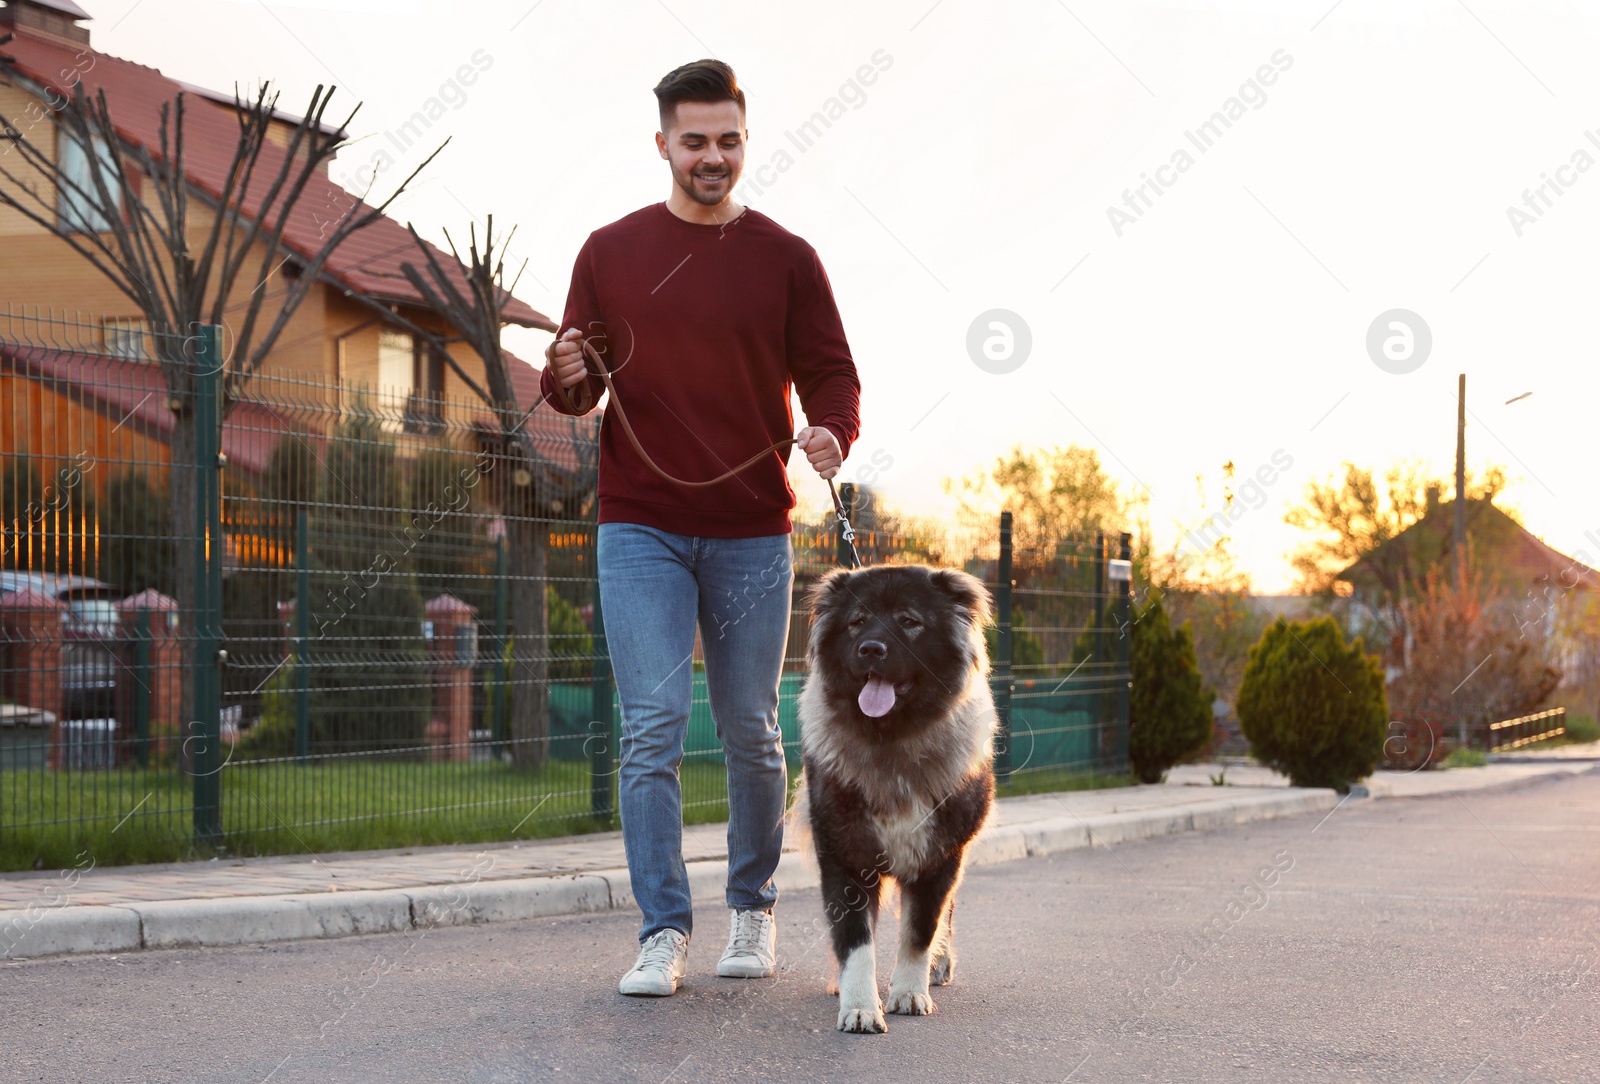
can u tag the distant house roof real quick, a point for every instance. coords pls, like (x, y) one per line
(368, 262)
(1502, 545)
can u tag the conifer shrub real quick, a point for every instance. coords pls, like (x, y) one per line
(1313, 706)
(1169, 706)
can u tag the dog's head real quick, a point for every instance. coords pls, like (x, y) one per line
(896, 645)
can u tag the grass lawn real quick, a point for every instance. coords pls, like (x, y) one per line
(1055, 780)
(132, 815)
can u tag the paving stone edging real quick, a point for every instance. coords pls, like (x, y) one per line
(45, 930)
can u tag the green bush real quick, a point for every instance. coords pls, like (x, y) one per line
(571, 648)
(570, 642)
(1582, 729)
(371, 685)
(1465, 758)
(453, 552)
(1169, 707)
(136, 545)
(1027, 652)
(1312, 706)
(273, 733)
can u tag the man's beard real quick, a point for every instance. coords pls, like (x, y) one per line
(690, 185)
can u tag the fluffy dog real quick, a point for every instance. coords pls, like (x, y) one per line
(897, 727)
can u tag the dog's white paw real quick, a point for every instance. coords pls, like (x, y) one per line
(910, 1003)
(863, 1021)
(943, 970)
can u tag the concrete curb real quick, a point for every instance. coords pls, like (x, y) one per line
(1467, 783)
(45, 930)
(244, 920)
(56, 931)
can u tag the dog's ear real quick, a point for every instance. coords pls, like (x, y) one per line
(828, 590)
(968, 592)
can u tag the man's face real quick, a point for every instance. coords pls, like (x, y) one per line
(705, 147)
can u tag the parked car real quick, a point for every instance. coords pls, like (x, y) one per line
(89, 660)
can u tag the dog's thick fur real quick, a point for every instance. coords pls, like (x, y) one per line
(901, 795)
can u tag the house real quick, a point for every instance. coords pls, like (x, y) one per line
(1541, 587)
(76, 377)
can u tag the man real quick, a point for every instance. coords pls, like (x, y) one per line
(705, 313)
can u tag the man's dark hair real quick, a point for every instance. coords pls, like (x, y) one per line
(703, 81)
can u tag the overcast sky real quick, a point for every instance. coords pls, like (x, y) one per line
(1371, 160)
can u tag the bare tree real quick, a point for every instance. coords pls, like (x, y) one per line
(1355, 517)
(134, 219)
(530, 488)
(1466, 665)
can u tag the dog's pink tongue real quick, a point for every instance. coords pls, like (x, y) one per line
(877, 697)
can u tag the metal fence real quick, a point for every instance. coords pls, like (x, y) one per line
(288, 616)
(1511, 734)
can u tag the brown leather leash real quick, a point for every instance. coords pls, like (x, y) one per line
(604, 374)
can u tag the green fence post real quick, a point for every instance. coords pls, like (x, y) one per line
(209, 544)
(502, 709)
(302, 636)
(1124, 653)
(1103, 653)
(1000, 674)
(601, 718)
(141, 689)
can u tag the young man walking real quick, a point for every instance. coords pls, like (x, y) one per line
(705, 313)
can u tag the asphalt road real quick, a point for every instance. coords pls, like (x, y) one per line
(1443, 939)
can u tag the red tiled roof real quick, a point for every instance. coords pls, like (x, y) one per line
(1503, 544)
(368, 262)
(556, 437)
(524, 381)
(134, 393)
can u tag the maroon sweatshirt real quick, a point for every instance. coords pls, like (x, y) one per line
(704, 330)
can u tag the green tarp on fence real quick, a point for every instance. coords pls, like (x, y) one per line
(1051, 727)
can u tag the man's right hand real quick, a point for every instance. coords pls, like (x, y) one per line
(565, 357)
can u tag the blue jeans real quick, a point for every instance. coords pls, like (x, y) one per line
(655, 587)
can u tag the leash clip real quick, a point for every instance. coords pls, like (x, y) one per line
(848, 533)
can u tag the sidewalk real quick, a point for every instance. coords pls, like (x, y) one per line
(244, 901)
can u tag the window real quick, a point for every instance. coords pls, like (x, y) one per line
(124, 337)
(395, 364)
(396, 361)
(427, 400)
(410, 382)
(80, 210)
(428, 372)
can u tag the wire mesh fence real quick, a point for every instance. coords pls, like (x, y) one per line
(297, 616)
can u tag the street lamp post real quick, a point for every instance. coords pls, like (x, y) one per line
(1460, 534)
(1461, 482)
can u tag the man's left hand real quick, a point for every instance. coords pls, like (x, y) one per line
(821, 448)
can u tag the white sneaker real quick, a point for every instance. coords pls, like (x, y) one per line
(663, 958)
(752, 947)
